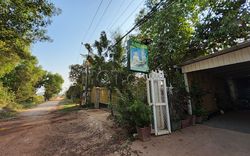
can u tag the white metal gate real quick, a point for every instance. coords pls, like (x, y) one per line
(158, 100)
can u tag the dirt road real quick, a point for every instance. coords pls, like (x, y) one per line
(41, 109)
(40, 131)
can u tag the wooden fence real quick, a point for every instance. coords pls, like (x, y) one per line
(101, 94)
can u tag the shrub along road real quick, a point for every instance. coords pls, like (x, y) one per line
(44, 131)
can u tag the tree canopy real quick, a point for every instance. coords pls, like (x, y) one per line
(22, 23)
(181, 30)
(52, 84)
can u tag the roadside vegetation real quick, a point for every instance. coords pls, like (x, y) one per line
(66, 106)
(22, 23)
(178, 30)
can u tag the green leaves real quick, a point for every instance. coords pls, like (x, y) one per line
(190, 28)
(22, 22)
(26, 18)
(24, 78)
(223, 24)
(52, 85)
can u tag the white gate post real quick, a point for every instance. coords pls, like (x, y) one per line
(167, 108)
(154, 109)
(157, 100)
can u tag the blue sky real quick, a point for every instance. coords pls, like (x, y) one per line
(69, 29)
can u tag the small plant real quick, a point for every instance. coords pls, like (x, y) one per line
(131, 112)
(199, 112)
(196, 96)
(140, 113)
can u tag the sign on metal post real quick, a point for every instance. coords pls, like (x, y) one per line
(137, 57)
(158, 100)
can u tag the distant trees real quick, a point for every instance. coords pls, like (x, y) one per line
(77, 75)
(74, 92)
(52, 85)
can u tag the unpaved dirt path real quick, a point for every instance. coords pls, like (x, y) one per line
(44, 132)
(22, 136)
(41, 109)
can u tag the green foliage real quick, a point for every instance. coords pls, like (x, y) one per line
(199, 111)
(52, 84)
(132, 109)
(186, 29)
(8, 59)
(7, 113)
(77, 75)
(140, 113)
(196, 96)
(171, 30)
(178, 103)
(32, 101)
(221, 24)
(22, 22)
(67, 106)
(7, 99)
(26, 19)
(24, 78)
(74, 93)
(131, 112)
(182, 30)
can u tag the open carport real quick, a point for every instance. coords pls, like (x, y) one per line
(225, 76)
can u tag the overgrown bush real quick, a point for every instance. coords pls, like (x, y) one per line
(178, 99)
(32, 101)
(7, 99)
(196, 97)
(132, 111)
(123, 114)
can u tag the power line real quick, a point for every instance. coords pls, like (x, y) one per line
(84, 37)
(118, 8)
(93, 19)
(117, 19)
(104, 12)
(143, 20)
(132, 12)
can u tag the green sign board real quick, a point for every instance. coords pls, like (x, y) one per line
(137, 57)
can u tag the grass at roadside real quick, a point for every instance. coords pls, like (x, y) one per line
(34, 101)
(12, 109)
(66, 106)
(7, 114)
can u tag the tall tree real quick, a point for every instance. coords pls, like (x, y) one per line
(221, 24)
(23, 80)
(77, 75)
(21, 23)
(52, 85)
(182, 30)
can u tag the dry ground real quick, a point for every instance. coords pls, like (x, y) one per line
(44, 132)
(40, 133)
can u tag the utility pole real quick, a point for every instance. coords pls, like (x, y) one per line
(86, 83)
(85, 86)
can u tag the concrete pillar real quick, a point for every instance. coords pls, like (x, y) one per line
(187, 89)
